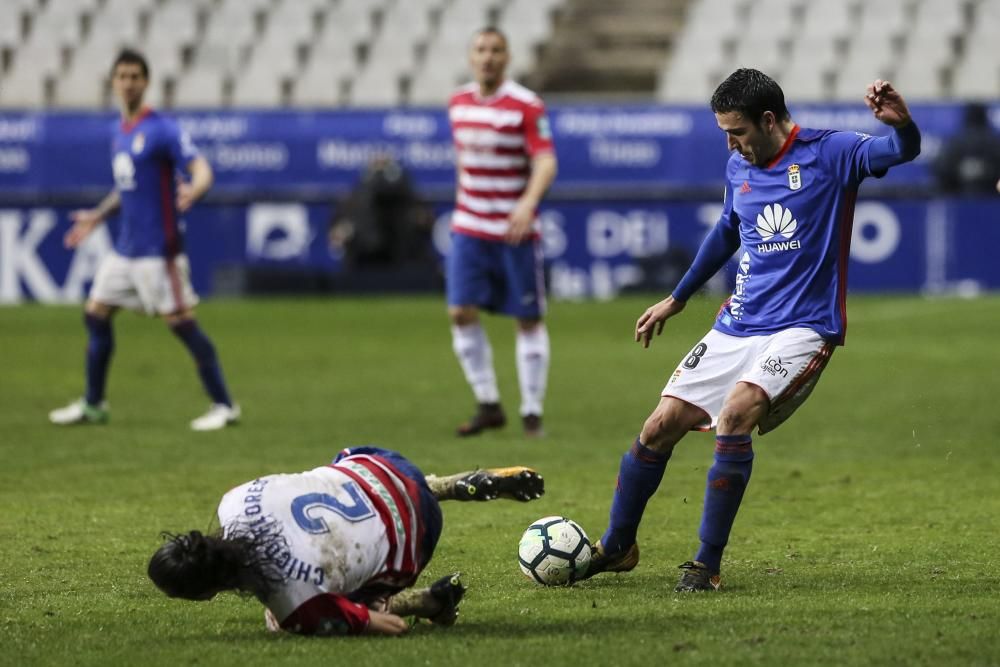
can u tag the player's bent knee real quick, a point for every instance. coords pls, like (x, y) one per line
(743, 409)
(654, 436)
(173, 319)
(463, 315)
(670, 421)
(98, 309)
(528, 326)
(665, 426)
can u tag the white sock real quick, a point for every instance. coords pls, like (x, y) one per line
(533, 368)
(475, 355)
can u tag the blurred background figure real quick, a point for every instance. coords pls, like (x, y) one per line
(969, 162)
(383, 232)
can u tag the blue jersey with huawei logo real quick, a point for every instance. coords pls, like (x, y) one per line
(147, 156)
(793, 219)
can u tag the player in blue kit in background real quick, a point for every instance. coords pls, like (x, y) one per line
(788, 210)
(148, 270)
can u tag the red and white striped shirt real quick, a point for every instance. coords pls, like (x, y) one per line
(344, 528)
(495, 138)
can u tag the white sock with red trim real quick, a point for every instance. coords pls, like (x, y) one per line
(475, 355)
(533, 368)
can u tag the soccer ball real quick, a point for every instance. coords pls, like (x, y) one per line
(554, 551)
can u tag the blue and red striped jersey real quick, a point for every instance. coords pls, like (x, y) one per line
(147, 156)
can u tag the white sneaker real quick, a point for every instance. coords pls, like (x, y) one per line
(218, 416)
(80, 412)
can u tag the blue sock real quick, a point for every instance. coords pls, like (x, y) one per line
(727, 480)
(100, 345)
(639, 476)
(203, 351)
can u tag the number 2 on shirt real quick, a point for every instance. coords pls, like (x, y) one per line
(307, 509)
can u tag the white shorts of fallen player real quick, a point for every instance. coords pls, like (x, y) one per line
(153, 285)
(786, 365)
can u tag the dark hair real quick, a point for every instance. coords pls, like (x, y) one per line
(751, 93)
(190, 566)
(131, 57)
(492, 30)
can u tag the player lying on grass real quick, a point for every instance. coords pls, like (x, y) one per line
(332, 551)
(788, 210)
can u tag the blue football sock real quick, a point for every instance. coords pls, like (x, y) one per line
(639, 476)
(201, 348)
(727, 480)
(100, 346)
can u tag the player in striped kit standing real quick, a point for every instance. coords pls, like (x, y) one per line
(505, 163)
(331, 551)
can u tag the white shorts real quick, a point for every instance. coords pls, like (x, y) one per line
(786, 365)
(153, 285)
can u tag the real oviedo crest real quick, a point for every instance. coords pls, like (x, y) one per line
(794, 177)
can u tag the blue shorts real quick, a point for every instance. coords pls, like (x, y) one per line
(429, 511)
(496, 276)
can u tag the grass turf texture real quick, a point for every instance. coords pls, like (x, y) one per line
(868, 535)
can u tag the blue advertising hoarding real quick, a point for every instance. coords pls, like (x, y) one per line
(591, 250)
(635, 182)
(295, 154)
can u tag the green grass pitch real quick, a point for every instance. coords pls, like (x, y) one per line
(869, 532)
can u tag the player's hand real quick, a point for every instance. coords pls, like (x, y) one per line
(84, 222)
(653, 319)
(380, 623)
(521, 220)
(887, 104)
(270, 621)
(186, 196)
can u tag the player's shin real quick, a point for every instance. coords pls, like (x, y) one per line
(203, 352)
(100, 346)
(532, 349)
(639, 475)
(475, 355)
(727, 480)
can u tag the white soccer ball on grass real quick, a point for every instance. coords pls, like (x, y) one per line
(554, 551)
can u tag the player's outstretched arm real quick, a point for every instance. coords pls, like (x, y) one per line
(719, 245)
(653, 319)
(887, 104)
(85, 220)
(903, 144)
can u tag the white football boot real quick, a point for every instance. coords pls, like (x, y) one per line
(218, 416)
(80, 412)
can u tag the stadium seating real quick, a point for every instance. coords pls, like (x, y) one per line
(829, 50)
(322, 53)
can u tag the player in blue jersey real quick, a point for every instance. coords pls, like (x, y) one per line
(788, 210)
(159, 175)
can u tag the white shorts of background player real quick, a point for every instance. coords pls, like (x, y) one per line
(153, 285)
